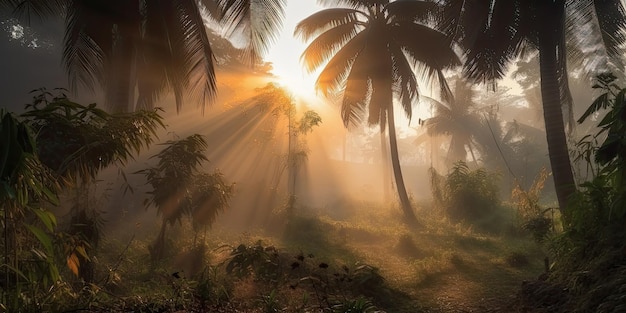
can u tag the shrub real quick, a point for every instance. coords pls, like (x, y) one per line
(470, 195)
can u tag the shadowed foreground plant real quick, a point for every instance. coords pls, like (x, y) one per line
(78, 141)
(29, 264)
(179, 189)
(468, 195)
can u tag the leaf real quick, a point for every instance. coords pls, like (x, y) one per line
(73, 263)
(601, 102)
(47, 218)
(7, 192)
(81, 250)
(43, 238)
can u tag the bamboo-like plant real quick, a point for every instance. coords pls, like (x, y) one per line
(180, 189)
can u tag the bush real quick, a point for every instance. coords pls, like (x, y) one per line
(466, 195)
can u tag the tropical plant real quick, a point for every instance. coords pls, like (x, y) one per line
(459, 119)
(151, 47)
(29, 264)
(179, 189)
(372, 49)
(298, 151)
(493, 34)
(607, 189)
(591, 246)
(76, 142)
(467, 195)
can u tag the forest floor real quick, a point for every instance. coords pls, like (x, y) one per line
(437, 267)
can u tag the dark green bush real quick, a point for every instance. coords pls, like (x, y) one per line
(469, 195)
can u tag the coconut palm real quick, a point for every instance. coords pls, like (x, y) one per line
(372, 49)
(494, 33)
(150, 46)
(458, 119)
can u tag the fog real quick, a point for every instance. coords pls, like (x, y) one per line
(328, 190)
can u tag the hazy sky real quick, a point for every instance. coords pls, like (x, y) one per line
(285, 52)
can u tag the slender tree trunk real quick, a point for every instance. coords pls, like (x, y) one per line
(472, 154)
(385, 167)
(121, 77)
(291, 161)
(549, 40)
(120, 87)
(405, 203)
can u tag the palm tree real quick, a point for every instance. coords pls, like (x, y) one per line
(150, 46)
(372, 49)
(494, 33)
(459, 119)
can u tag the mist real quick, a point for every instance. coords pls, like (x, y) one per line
(385, 189)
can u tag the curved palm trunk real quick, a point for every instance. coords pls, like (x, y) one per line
(385, 167)
(552, 111)
(405, 203)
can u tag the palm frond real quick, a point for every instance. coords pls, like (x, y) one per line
(353, 3)
(425, 45)
(200, 55)
(412, 10)
(357, 93)
(326, 44)
(596, 28)
(336, 71)
(405, 82)
(259, 21)
(25, 10)
(324, 20)
(85, 47)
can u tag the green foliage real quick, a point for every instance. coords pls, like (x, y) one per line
(180, 189)
(29, 264)
(77, 141)
(590, 258)
(261, 261)
(269, 303)
(467, 195)
(308, 120)
(531, 216)
(23, 178)
(360, 305)
(606, 193)
(211, 287)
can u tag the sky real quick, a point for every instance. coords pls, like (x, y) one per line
(285, 53)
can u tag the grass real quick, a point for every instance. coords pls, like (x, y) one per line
(440, 266)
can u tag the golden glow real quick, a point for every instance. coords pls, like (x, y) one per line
(300, 85)
(285, 53)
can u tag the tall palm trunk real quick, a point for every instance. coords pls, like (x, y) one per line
(550, 96)
(384, 152)
(409, 215)
(120, 89)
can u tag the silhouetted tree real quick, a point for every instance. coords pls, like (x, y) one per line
(180, 189)
(151, 47)
(494, 33)
(372, 49)
(459, 119)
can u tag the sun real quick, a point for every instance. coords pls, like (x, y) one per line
(299, 84)
(285, 52)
